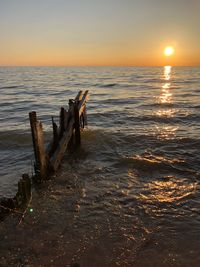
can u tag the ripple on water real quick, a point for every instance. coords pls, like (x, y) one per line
(167, 197)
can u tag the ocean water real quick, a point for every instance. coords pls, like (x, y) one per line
(135, 180)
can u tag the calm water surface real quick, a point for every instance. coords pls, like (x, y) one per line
(133, 188)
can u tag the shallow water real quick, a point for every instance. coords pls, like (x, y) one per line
(136, 177)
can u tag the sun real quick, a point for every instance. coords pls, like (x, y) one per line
(169, 50)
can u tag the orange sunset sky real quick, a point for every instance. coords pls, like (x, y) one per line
(94, 32)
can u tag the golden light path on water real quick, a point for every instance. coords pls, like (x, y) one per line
(165, 100)
(167, 189)
(166, 95)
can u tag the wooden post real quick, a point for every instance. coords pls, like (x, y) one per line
(55, 134)
(26, 186)
(62, 122)
(38, 144)
(77, 125)
(64, 118)
(24, 191)
(71, 116)
(81, 104)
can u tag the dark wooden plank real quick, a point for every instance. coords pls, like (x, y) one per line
(62, 145)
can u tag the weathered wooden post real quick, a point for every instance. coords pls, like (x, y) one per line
(77, 124)
(62, 122)
(64, 117)
(71, 115)
(55, 135)
(26, 186)
(38, 145)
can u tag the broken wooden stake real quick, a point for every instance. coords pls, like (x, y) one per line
(77, 125)
(38, 145)
(19, 201)
(24, 191)
(55, 134)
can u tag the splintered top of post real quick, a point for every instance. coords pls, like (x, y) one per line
(81, 104)
(84, 98)
(79, 96)
(86, 95)
(32, 117)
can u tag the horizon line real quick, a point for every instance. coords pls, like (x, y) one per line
(131, 66)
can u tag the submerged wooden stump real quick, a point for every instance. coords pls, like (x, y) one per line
(19, 201)
(24, 191)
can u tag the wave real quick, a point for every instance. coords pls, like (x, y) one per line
(11, 86)
(191, 81)
(13, 139)
(153, 80)
(157, 104)
(106, 85)
(170, 118)
(155, 164)
(115, 102)
(121, 119)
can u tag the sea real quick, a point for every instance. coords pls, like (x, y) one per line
(136, 178)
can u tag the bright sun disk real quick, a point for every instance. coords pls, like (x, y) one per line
(169, 50)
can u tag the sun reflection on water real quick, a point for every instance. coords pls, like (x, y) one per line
(167, 72)
(169, 189)
(166, 132)
(166, 95)
(166, 109)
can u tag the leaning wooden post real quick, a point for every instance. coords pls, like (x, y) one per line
(38, 145)
(77, 124)
(71, 116)
(55, 134)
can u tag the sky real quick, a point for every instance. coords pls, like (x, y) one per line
(99, 32)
